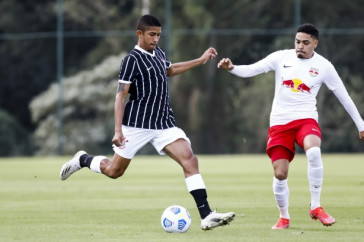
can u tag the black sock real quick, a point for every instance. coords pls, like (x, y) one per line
(85, 160)
(200, 197)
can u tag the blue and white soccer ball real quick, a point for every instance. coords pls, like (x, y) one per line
(176, 219)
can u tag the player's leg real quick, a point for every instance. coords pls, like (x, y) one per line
(281, 150)
(175, 143)
(113, 168)
(311, 144)
(280, 184)
(135, 139)
(315, 168)
(181, 151)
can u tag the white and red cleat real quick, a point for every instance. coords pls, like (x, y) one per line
(282, 223)
(320, 214)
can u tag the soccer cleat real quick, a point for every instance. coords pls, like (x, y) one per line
(282, 223)
(320, 214)
(215, 219)
(71, 166)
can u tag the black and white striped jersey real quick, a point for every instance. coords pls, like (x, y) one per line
(148, 106)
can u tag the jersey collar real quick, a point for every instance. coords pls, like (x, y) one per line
(144, 51)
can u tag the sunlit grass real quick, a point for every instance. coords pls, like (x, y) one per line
(36, 206)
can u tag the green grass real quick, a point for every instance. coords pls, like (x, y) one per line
(36, 206)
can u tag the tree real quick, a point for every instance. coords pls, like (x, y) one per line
(219, 112)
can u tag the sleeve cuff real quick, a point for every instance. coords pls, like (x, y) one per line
(123, 81)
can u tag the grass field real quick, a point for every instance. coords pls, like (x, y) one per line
(36, 206)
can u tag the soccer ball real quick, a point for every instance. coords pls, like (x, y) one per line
(176, 219)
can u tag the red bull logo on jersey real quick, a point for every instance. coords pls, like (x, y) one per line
(296, 85)
(313, 72)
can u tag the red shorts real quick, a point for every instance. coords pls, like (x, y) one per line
(282, 138)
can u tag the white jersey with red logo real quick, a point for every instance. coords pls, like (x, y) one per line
(297, 82)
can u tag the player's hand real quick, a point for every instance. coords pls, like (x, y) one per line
(361, 135)
(210, 53)
(118, 139)
(226, 64)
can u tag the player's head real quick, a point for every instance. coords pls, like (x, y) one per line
(306, 40)
(147, 21)
(309, 29)
(148, 30)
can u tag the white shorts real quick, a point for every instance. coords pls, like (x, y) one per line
(136, 138)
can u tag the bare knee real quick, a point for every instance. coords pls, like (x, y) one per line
(110, 171)
(281, 167)
(190, 165)
(115, 174)
(280, 175)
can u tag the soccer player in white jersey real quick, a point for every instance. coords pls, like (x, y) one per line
(299, 74)
(148, 117)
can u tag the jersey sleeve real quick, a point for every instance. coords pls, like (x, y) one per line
(168, 64)
(336, 85)
(342, 94)
(332, 79)
(265, 65)
(128, 70)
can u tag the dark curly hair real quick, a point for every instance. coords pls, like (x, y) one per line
(309, 29)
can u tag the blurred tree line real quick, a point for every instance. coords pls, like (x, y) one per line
(219, 112)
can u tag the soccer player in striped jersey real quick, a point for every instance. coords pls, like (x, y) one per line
(299, 74)
(148, 118)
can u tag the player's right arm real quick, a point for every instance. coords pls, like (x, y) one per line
(121, 94)
(226, 64)
(263, 66)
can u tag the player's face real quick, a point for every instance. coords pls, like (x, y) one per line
(305, 45)
(148, 39)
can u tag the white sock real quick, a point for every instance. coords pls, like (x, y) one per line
(315, 174)
(195, 182)
(281, 194)
(95, 163)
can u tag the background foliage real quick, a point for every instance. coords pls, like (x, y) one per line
(219, 112)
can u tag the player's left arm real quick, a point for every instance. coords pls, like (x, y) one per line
(344, 98)
(180, 67)
(336, 85)
(361, 135)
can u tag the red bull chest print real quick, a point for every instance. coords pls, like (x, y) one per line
(296, 85)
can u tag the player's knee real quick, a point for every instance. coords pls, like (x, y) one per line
(193, 158)
(314, 155)
(192, 161)
(114, 174)
(280, 175)
(190, 165)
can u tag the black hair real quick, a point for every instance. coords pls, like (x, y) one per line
(309, 29)
(147, 21)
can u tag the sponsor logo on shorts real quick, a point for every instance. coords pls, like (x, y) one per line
(123, 143)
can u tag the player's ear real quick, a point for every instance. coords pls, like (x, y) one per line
(316, 42)
(139, 32)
